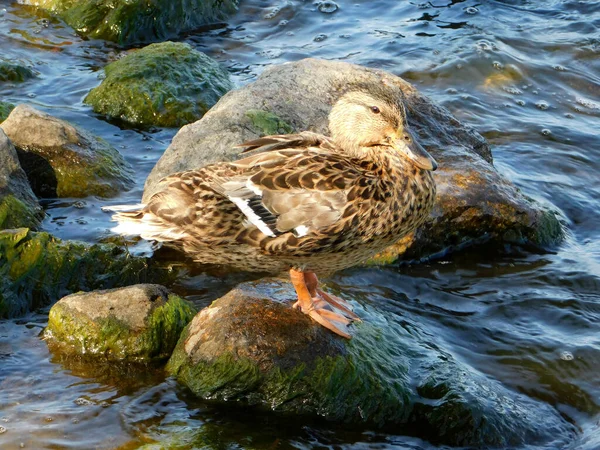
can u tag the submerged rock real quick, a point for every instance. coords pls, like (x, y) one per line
(247, 347)
(168, 84)
(12, 71)
(135, 21)
(474, 202)
(64, 161)
(140, 323)
(37, 269)
(18, 205)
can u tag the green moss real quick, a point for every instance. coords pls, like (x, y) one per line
(268, 123)
(14, 213)
(5, 109)
(114, 339)
(134, 21)
(14, 72)
(345, 388)
(105, 174)
(548, 230)
(168, 84)
(37, 269)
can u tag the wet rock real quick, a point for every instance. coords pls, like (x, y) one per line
(37, 269)
(168, 84)
(140, 323)
(136, 21)
(18, 205)
(251, 347)
(15, 72)
(64, 161)
(5, 109)
(474, 202)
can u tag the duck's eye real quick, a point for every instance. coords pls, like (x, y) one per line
(375, 109)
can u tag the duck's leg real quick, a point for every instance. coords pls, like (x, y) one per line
(312, 283)
(316, 307)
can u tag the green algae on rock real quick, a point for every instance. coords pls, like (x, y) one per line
(37, 269)
(5, 109)
(61, 160)
(11, 71)
(140, 323)
(168, 84)
(135, 21)
(247, 347)
(268, 123)
(18, 205)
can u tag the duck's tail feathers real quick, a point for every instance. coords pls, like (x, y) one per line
(134, 220)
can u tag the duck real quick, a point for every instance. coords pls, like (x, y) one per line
(302, 203)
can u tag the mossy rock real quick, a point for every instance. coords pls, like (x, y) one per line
(5, 109)
(16, 213)
(18, 205)
(62, 160)
(168, 84)
(10, 71)
(249, 347)
(136, 21)
(37, 269)
(140, 323)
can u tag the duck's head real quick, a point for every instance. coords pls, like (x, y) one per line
(371, 118)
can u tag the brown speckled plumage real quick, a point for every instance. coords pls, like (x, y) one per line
(304, 201)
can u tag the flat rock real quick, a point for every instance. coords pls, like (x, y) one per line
(168, 84)
(61, 160)
(140, 323)
(474, 202)
(18, 205)
(251, 347)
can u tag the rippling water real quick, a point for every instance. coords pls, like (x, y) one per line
(525, 74)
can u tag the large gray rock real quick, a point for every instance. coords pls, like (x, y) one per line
(138, 323)
(64, 161)
(18, 205)
(251, 347)
(474, 201)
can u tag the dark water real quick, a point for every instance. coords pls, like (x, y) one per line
(525, 74)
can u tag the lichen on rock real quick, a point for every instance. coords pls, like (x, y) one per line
(61, 160)
(252, 348)
(136, 21)
(168, 84)
(139, 323)
(37, 269)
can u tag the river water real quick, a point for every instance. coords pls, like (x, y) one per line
(525, 74)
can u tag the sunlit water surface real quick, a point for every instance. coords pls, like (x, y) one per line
(525, 74)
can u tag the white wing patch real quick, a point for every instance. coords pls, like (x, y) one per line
(301, 230)
(251, 215)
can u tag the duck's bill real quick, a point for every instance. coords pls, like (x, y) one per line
(413, 150)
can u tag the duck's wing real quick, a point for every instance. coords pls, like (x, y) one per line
(303, 140)
(296, 191)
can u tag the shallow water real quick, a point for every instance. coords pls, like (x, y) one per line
(525, 74)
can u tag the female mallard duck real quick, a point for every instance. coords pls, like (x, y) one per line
(303, 202)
